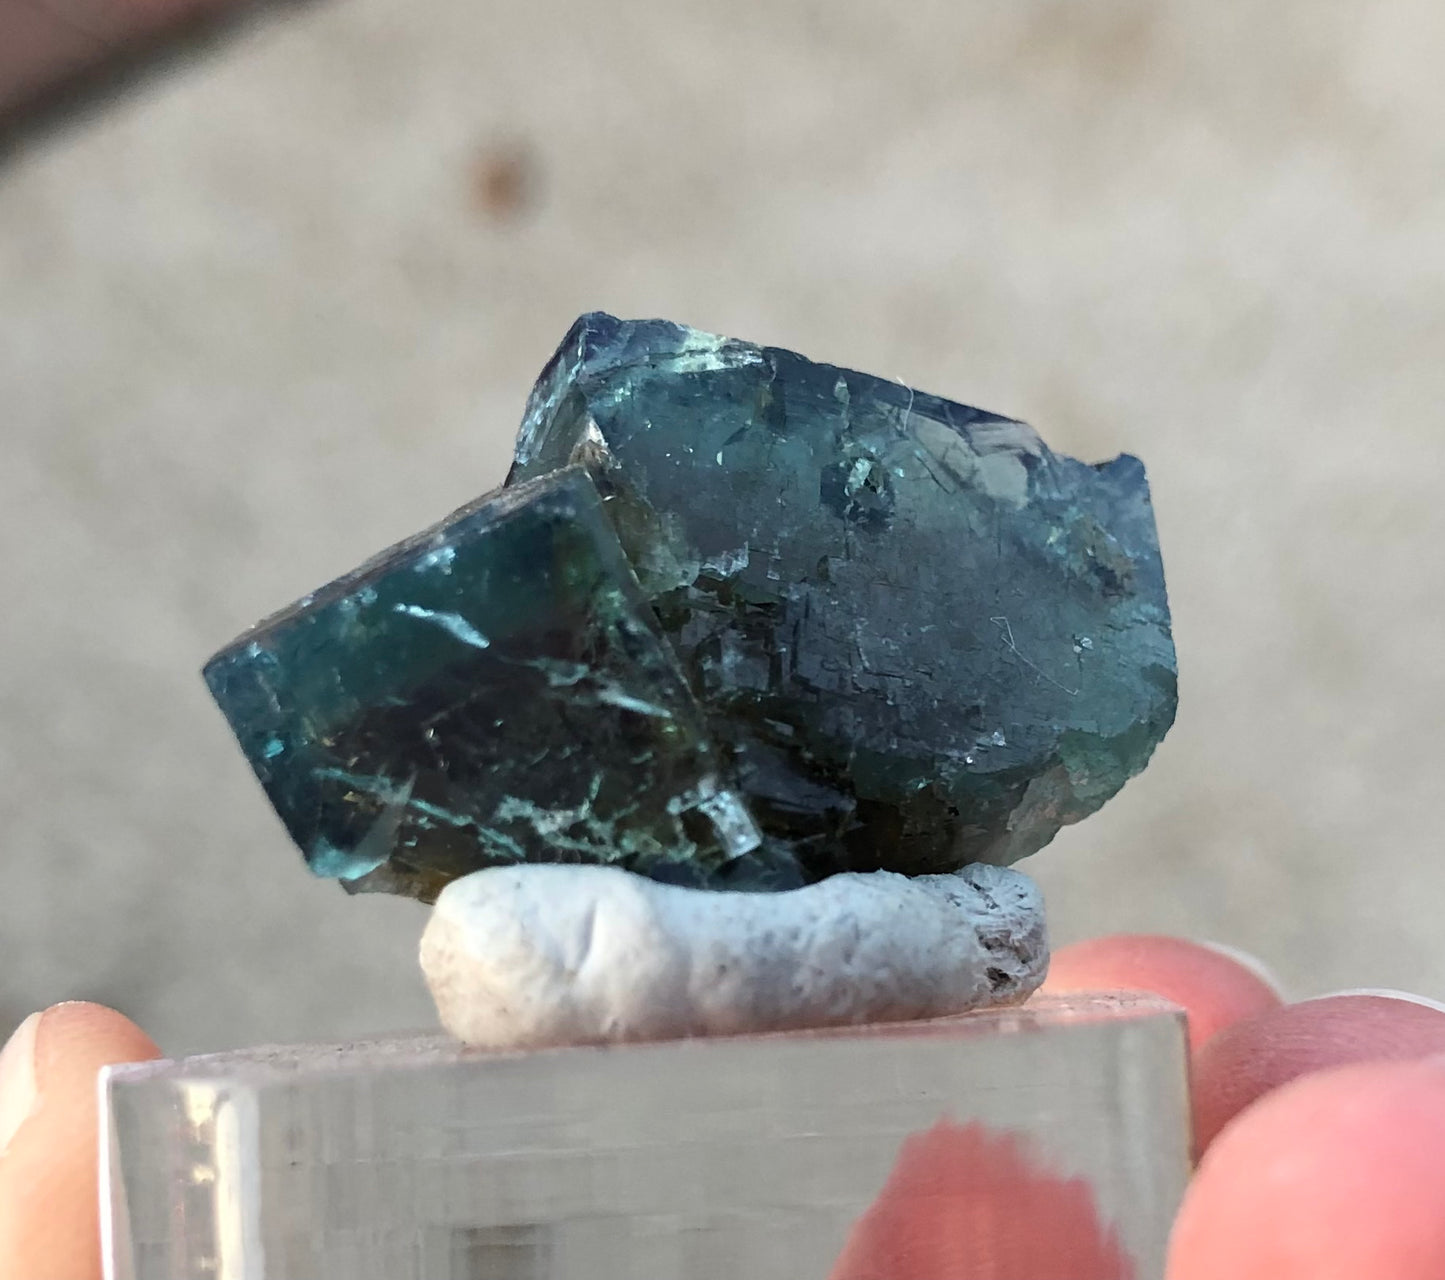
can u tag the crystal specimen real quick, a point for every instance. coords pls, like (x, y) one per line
(739, 620)
(492, 690)
(921, 638)
(757, 1157)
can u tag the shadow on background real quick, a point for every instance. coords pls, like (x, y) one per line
(59, 60)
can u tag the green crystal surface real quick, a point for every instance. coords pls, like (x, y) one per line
(750, 620)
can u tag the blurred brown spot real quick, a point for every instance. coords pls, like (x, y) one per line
(505, 182)
(1101, 44)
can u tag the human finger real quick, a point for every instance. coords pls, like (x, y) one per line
(1252, 1057)
(1216, 987)
(1339, 1175)
(49, 1199)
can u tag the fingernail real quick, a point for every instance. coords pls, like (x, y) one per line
(18, 1093)
(1245, 960)
(1384, 993)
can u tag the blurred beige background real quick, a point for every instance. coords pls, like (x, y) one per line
(276, 308)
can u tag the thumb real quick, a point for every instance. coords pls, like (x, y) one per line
(49, 1138)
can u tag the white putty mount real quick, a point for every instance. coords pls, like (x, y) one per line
(541, 955)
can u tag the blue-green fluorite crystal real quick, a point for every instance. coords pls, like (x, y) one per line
(921, 637)
(492, 690)
(789, 620)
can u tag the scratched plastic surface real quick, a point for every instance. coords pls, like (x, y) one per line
(808, 1156)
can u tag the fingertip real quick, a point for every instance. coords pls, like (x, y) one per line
(78, 1038)
(1384, 993)
(1262, 1053)
(1249, 962)
(1216, 985)
(1339, 1173)
(17, 1079)
(49, 1218)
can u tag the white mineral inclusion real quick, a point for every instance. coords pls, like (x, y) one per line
(540, 955)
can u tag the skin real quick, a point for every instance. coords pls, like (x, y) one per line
(49, 1216)
(1217, 987)
(1325, 1159)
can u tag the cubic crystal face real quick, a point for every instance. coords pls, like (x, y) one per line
(921, 637)
(492, 690)
(738, 620)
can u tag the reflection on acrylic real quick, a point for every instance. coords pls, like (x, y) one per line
(965, 1202)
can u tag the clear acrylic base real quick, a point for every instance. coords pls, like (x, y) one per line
(1058, 1130)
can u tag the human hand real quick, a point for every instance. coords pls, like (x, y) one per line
(1321, 1124)
(49, 1201)
(1338, 1174)
(1320, 1171)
